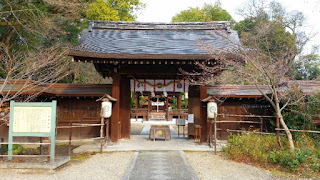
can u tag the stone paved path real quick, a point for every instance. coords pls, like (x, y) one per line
(162, 165)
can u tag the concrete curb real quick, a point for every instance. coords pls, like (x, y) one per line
(189, 167)
(51, 165)
(126, 176)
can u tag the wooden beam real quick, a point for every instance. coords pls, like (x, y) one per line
(92, 55)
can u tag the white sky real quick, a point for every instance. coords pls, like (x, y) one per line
(164, 10)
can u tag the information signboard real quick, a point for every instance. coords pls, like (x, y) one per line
(190, 118)
(32, 119)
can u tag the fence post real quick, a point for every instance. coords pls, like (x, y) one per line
(215, 134)
(70, 138)
(2, 147)
(41, 147)
(101, 134)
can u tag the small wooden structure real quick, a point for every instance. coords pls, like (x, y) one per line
(76, 104)
(159, 131)
(243, 107)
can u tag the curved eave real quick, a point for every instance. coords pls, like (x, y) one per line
(80, 55)
(139, 56)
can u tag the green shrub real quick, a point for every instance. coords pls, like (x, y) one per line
(17, 149)
(263, 149)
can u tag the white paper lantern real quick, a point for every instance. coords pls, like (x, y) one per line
(106, 109)
(212, 109)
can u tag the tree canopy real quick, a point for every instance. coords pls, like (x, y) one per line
(114, 10)
(206, 13)
(283, 34)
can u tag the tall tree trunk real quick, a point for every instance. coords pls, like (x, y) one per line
(283, 124)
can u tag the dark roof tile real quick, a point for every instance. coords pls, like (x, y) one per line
(156, 38)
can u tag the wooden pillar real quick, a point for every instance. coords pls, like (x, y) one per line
(115, 118)
(167, 108)
(125, 107)
(149, 106)
(179, 101)
(137, 101)
(167, 102)
(203, 114)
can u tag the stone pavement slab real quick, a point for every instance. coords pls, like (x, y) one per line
(142, 142)
(59, 161)
(159, 165)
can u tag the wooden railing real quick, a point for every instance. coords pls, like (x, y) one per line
(178, 111)
(135, 113)
(138, 111)
(145, 113)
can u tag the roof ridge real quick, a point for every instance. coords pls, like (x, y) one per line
(125, 25)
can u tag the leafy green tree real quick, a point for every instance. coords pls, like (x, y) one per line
(206, 13)
(101, 10)
(272, 16)
(307, 67)
(113, 10)
(284, 33)
(275, 45)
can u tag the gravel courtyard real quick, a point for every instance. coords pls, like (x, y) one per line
(210, 166)
(106, 166)
(112, 166)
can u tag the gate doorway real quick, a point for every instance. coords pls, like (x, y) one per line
(159, 109)
(158, 103)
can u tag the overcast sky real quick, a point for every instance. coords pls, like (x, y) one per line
(164, 10)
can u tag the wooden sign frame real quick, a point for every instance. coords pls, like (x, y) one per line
(51, 134)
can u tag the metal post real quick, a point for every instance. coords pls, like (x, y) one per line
(70, 138)
(215, 135)
(183, 130)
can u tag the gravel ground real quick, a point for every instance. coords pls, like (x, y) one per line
(210, 166)
(100, 166)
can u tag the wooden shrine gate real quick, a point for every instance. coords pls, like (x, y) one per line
(133, 50)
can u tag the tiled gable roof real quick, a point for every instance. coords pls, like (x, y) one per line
(156, 38)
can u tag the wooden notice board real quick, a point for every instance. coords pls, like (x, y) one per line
(33, 119)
